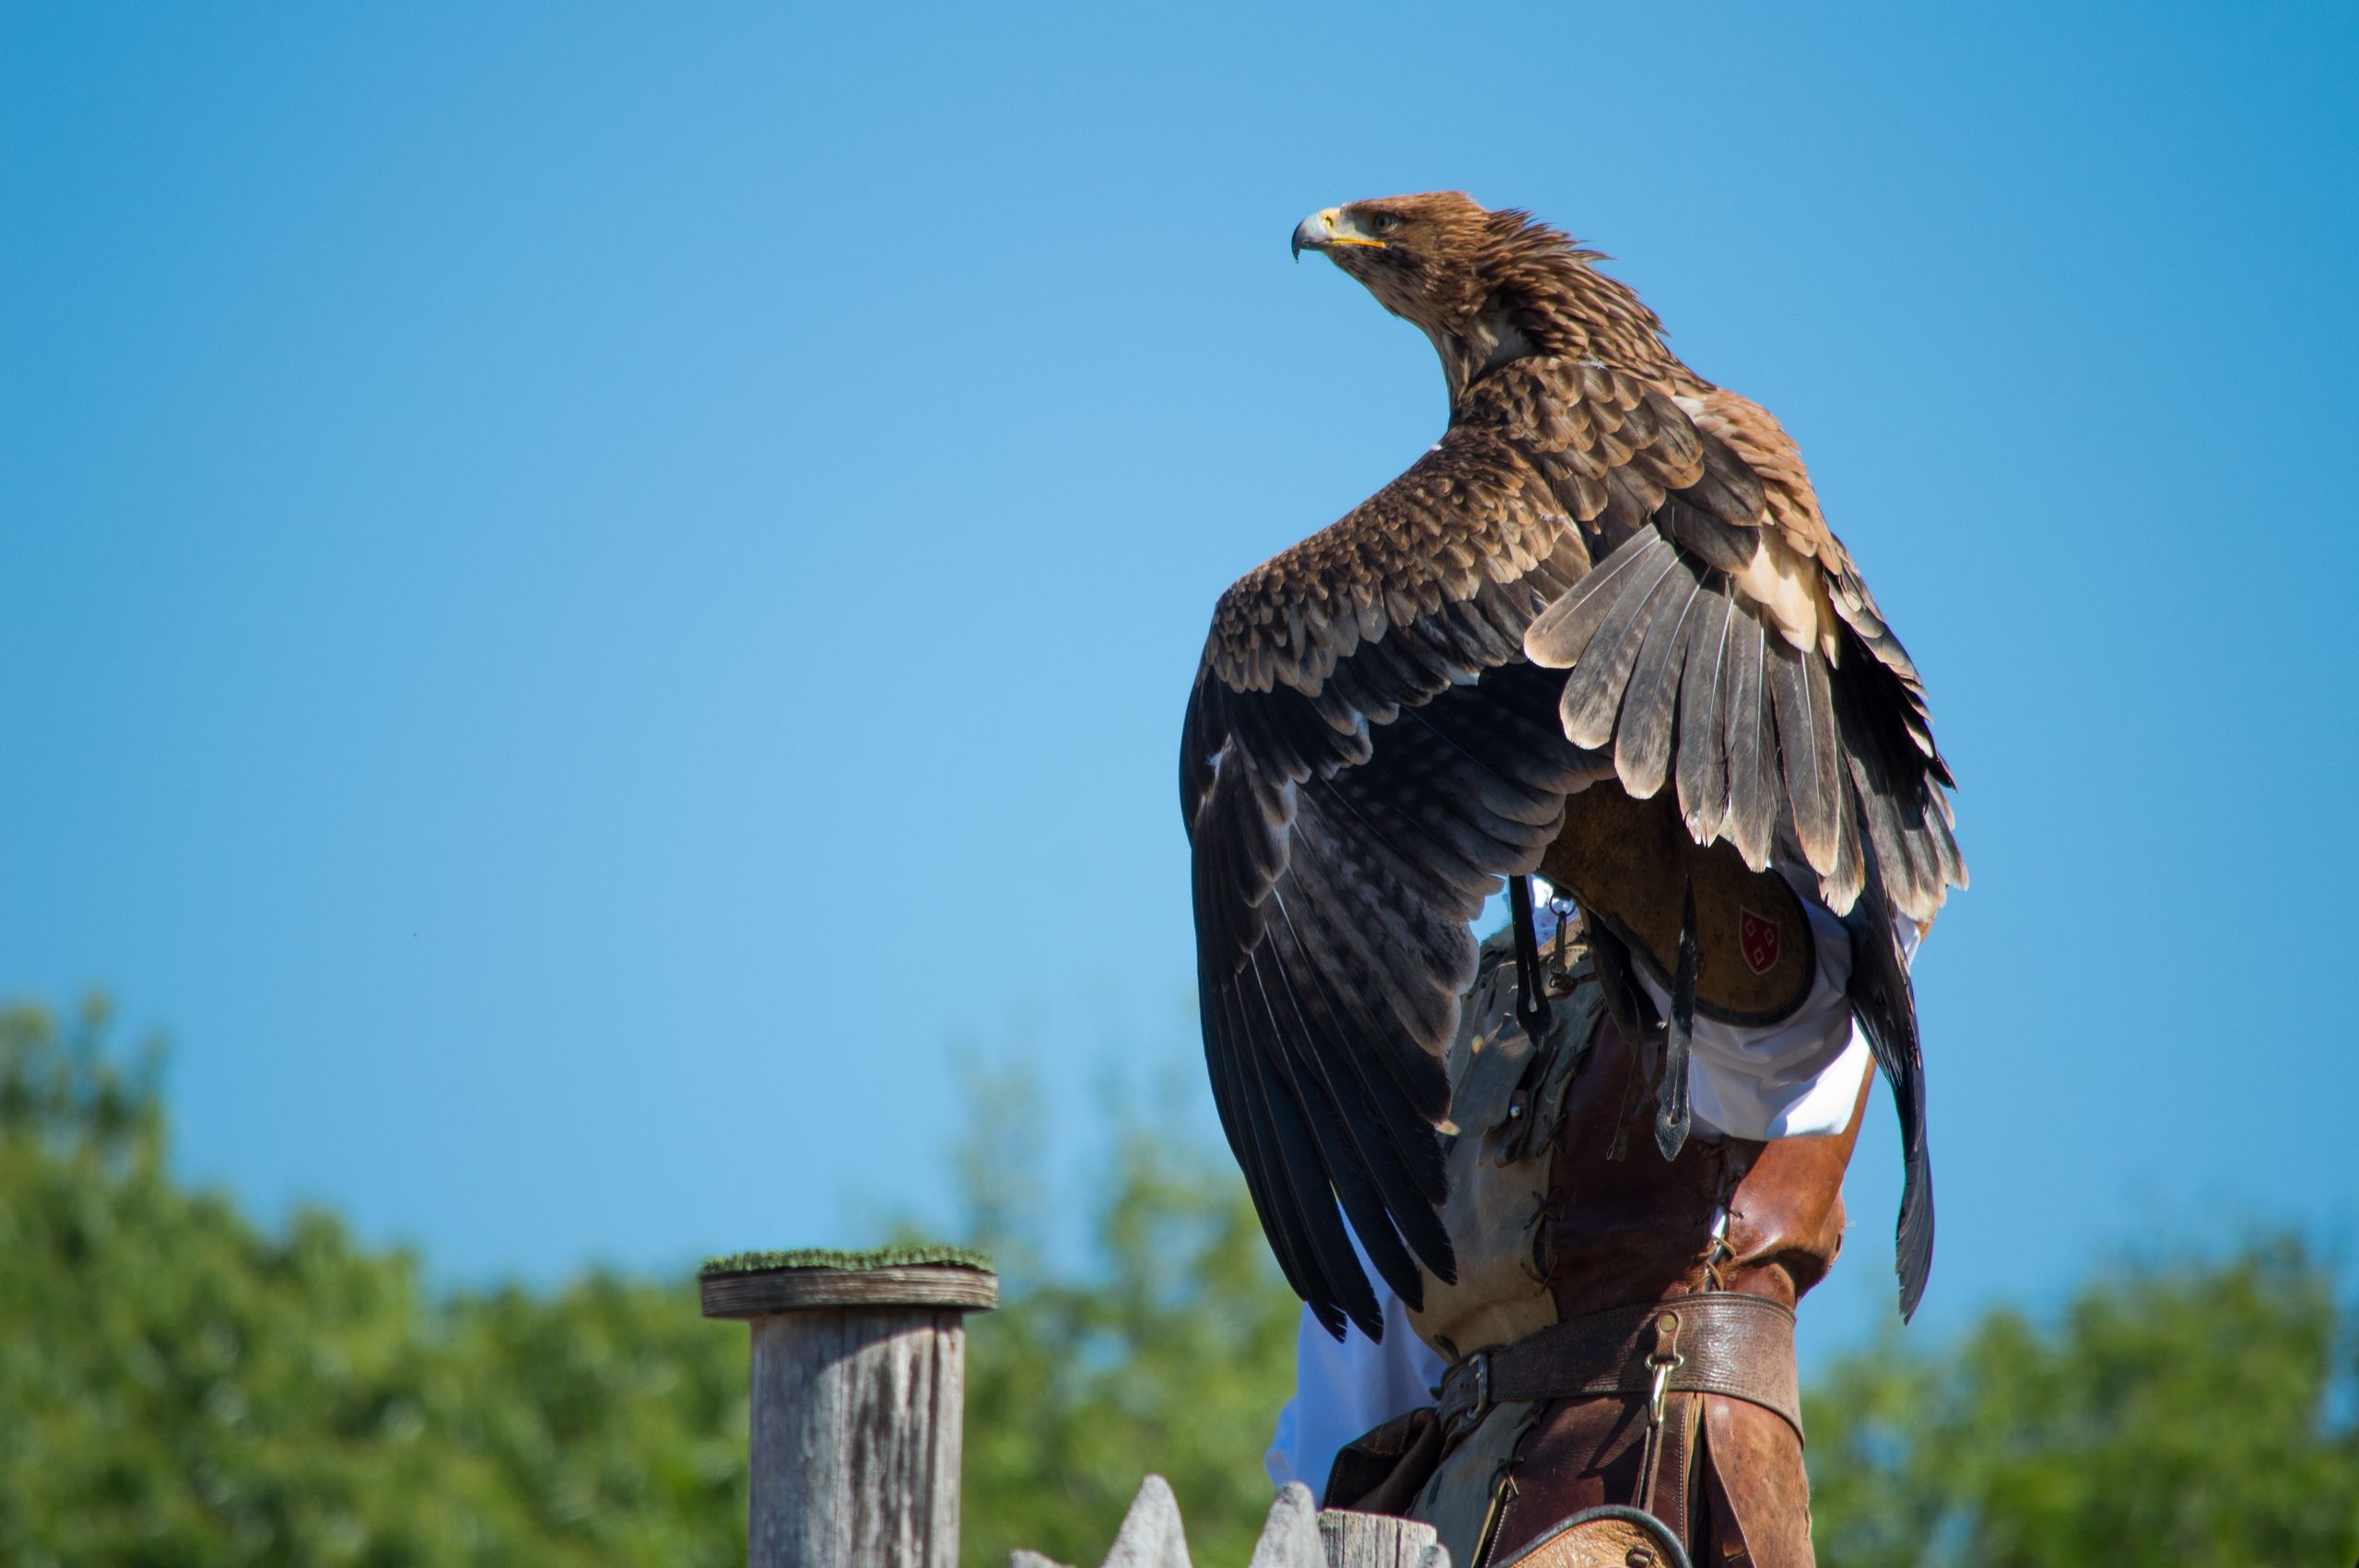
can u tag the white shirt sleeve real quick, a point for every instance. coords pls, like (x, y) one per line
(1342, 1390)
(1794, 1078)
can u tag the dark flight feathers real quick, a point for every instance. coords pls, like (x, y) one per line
(1349, 820)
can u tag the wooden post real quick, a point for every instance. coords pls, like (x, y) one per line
(1377, 1540)
(858, 1399)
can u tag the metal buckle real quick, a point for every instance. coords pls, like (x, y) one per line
(1478, 1367)
(1663, 1369)
(1663, 1364)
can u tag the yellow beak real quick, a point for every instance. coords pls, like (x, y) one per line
(1330, 229)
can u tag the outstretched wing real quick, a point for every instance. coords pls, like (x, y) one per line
(1727, 645)
(1365, 755)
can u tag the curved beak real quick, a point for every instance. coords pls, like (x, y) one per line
(1329, 229)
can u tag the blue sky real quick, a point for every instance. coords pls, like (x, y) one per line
(593, 588)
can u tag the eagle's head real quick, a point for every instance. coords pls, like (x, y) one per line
(1421, 256)
(1486, 286)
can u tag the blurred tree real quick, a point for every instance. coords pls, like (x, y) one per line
(178, 1387)
(2181, 1412)
(1172, 1354)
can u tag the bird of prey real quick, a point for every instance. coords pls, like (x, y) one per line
(1608, 582)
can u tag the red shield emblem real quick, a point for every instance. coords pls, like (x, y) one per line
(1758, 937)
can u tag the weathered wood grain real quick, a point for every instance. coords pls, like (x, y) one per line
(1378, 1540)
(764, 1291)
(1295, 1535)
(1151, 1536)
(856, 1427)
(1290, 1535)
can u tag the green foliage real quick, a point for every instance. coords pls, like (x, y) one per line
(179, 1388)
(1173, 1355)
(182, 1389)
(2180, 1413)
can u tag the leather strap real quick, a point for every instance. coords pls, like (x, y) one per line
(1722, 1342)
(1668, 1473)
(1663, 1361)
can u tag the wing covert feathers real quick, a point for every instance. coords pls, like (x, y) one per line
(1434, 579)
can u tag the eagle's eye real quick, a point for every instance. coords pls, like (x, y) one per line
(1384, 223)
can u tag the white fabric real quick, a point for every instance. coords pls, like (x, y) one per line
(1342, 1390)
(1793, 1079)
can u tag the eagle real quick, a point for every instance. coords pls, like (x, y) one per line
(1608, 582)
